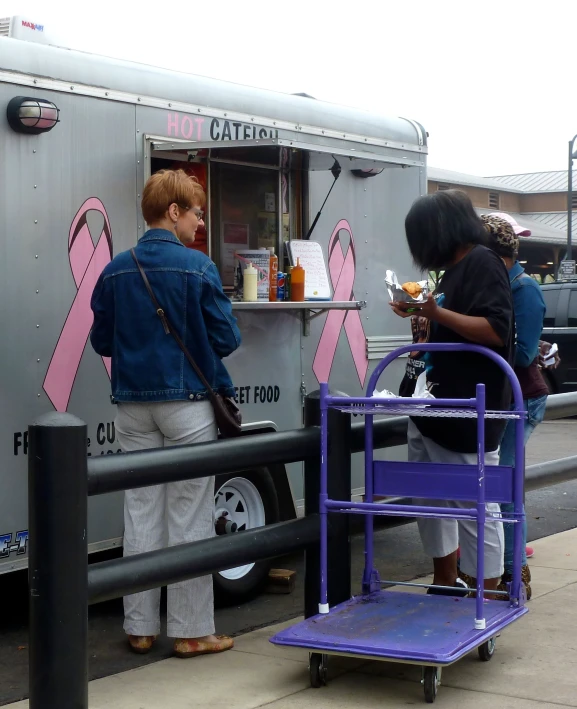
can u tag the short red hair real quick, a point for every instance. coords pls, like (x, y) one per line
(168, 187)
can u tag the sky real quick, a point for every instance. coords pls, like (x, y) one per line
(493, 82)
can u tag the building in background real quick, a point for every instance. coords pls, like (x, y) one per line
(538, 201)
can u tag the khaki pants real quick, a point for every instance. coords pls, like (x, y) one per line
(166, 515)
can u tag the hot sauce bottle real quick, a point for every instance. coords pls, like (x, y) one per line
(298, 283)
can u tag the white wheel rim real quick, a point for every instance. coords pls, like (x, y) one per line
(242, 502)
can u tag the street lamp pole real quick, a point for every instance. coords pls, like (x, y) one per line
(572, 156)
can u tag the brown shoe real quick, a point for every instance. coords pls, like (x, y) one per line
(141, 644)
(525, 579)
(184, 647)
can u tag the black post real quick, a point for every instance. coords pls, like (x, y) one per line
(57, 510)
(339, 488)
(569, 253)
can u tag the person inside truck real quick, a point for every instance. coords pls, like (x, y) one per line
(472, 304)
(529, 310)
(161, 400)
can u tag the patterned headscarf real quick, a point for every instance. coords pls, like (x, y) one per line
(502, 237)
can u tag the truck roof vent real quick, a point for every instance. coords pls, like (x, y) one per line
(4, 26)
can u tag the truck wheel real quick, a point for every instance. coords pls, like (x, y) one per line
(245, 500)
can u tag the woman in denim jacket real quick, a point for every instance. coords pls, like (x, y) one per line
(529, 309)
(161, 401)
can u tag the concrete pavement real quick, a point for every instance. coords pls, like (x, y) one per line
(534, 664)
(398, 555)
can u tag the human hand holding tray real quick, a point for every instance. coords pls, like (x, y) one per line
(398, 294)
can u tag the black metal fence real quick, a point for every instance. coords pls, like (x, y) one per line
(61, 478)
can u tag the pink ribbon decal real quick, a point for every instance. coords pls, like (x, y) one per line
(86, 262)
(342, 275)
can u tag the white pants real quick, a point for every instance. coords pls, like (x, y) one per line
(170, 514)
(441, 537)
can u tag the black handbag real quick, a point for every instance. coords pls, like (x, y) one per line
(226, 412)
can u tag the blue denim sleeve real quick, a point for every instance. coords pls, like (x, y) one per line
(529, 313)
(102, 304)
(223, 332)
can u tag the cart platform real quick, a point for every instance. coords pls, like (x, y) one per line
(403, 627)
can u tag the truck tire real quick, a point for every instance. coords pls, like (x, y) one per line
(250, 500)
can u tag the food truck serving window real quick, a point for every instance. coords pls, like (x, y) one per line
(254, 189)
(244, 212)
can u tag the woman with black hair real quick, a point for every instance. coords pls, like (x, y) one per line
(472, 304)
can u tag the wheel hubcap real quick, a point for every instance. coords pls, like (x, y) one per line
(239, 501)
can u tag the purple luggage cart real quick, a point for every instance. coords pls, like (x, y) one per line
(383, 624)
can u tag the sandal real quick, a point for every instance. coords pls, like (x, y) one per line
(184, 647)
(469, 580)
(505, 579)
(141, 644)
(525, 579)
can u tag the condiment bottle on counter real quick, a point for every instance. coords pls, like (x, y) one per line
(298, 283)
(273, 273)
(249, 290)
(287, 284)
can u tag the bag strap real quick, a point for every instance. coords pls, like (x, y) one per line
(168, 329)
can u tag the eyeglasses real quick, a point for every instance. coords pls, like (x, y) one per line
(199, 213)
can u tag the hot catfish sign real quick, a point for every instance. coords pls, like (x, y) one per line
(182, 125)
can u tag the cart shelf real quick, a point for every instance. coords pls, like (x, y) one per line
(427, 410)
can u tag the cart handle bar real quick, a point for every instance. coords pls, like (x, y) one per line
(450, 347)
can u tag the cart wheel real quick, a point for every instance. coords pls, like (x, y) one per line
(487, 650)
(318, 669)
(431, 677)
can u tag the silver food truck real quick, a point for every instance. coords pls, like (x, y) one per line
(79, 136)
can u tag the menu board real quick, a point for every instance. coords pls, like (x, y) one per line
(312, 259)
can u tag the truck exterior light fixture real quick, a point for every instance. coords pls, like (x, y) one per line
(32, 115)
